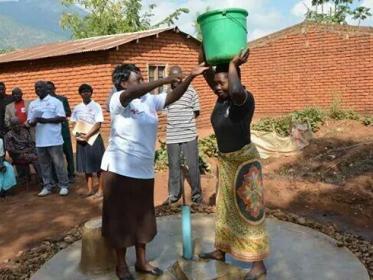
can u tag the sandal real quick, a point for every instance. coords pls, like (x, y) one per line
(127, 275)
(211, 256)
(155, 271)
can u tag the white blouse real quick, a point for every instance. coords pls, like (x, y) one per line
(133, 135)
(90, 113)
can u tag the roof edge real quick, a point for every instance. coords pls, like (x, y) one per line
(322, 26)
(153, 32)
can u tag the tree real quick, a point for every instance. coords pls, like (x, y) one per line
(105, 17)
(6, 50)
(338, 11)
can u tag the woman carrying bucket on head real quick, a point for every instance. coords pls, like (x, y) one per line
(240, 229)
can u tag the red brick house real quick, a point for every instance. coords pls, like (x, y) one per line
(69, 64)
(303, 65)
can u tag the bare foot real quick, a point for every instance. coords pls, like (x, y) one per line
(147, 268)
(123, 272)
(88, 194)
(258, 271)
(214, 255)
(99, 194)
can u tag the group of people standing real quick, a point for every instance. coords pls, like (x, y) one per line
(37, 132)
(128, 215)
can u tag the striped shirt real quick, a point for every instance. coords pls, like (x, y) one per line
(181, 122)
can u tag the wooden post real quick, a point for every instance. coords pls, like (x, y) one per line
(97, 256)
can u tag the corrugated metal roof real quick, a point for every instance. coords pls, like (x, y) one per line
(93, 44)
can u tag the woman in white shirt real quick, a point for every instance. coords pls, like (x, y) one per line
(89, 155)
(128, 216)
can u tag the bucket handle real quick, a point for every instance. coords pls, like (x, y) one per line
(235, 20)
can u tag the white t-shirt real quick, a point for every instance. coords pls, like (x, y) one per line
(90, 113)
(133, 134)
(47, 134)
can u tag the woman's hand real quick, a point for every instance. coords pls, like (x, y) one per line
(199, 70)
(241, 58)
(82, 137)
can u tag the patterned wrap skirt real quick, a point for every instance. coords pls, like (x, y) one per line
(240, 212)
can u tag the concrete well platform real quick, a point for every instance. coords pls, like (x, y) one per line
(297, 253)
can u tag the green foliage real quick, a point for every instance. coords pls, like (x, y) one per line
(282, 125)
(337, 113)
(208, 146)
(311, 115)
(314, 116)
(6, 50)
(367, 120)
(161, 158)
(338, 13)
(170, 20)
(207, 149)
(107, 17)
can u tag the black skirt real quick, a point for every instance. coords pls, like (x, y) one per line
(128, 214)
(88, 158)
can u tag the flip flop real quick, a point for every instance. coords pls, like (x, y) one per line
(128, 276)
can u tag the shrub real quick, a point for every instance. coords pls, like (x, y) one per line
(336, 112)
(161, 157)
(315, 117)
(367, 120)
(207, 149)
(208, 146)
(282, 125)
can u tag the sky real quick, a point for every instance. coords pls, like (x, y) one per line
(265, 16)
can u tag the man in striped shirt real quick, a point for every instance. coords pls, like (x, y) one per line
(182, 144)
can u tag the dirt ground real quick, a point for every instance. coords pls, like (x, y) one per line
(330, 181)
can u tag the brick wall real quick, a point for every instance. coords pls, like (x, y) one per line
(301, 66)
(308, 64)
(67, 73)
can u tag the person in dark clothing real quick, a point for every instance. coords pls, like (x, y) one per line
(240, 214)
(4, 101)
(67, 146)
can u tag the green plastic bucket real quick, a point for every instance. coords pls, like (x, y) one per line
(224, 34)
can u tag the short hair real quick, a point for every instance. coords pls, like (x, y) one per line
(16, 90)
(43, 85)
(2, 84)
(85, 88)
(224, 68)
(122, 72)
(177, 68)
(51, 84)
